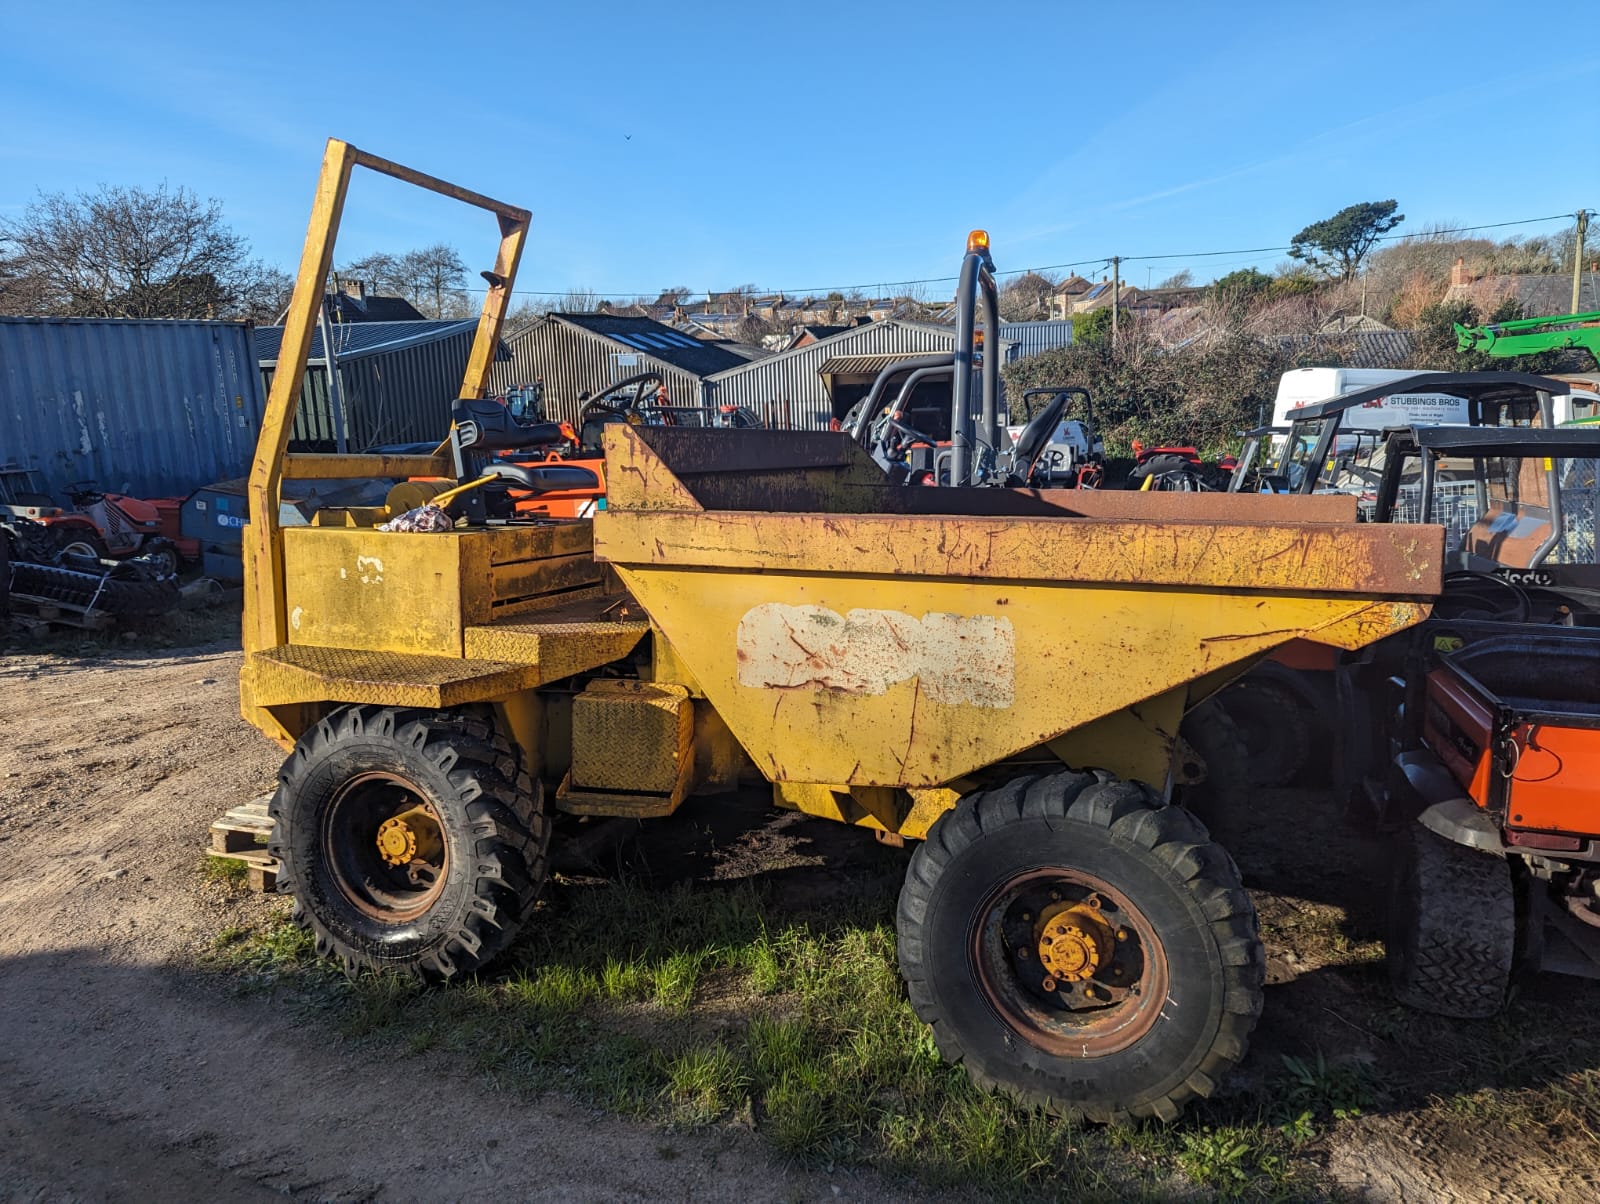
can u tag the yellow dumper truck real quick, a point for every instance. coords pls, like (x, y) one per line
(999, 675)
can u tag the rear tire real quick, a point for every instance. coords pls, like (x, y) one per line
(79, 541)
(1272, 722)
(1221, 800)
(449, 782)
(1452, 927)
(1191, 932)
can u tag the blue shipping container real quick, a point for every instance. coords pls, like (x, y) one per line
(152, 408)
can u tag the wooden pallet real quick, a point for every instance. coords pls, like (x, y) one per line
(241, 835)
(35, 611)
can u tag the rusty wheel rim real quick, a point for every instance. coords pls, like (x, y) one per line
(1077, 997)
(387, 890)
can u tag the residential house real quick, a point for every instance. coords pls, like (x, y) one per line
(352, 303)
(1066, 294)
(1541, 295)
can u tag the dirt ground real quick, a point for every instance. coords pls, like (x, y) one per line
(124, 1075)
(127, 1073)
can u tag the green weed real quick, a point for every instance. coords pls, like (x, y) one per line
(1339, 1090)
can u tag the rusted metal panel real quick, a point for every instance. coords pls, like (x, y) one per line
(146, 407)
(828, 722)
(1302, 557)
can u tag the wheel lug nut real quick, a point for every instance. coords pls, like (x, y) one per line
(1049, 984)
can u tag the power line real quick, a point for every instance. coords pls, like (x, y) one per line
(1098, 260)
(1526, 221)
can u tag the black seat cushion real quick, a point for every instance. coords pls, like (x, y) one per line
(484, 425)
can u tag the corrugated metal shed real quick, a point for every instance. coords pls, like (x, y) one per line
(147, 407)
(858, 365)
(787, 389)
(399, 379)
(583, 353)
(1030, 338)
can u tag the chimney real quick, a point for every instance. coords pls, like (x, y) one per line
(1458, 274)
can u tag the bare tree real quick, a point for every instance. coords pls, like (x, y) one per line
(577, 301)
(125, 253)
(379, 271)
(435, 279)
(1026, 298)
(1183, 279)
(266, 296)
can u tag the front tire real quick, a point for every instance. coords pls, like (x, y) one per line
(411, 840)
(163, 555)
(1081, 947)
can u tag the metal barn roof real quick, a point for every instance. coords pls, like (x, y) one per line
(352, 340)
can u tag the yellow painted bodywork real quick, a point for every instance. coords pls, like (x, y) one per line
(873, 651)
(901, 651)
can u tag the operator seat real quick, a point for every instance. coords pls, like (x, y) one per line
(482, 426)
(1034, 438)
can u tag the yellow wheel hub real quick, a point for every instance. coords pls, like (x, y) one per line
(397, 843)
(1074, 940)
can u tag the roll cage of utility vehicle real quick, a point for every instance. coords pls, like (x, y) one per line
(1322, 444)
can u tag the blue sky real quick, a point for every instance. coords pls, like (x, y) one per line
(808, 146)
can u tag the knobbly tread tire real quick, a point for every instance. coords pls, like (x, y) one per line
(1452, 927)
(1222, 800)
(1273, 725)
(498, 822)
(1205, 915)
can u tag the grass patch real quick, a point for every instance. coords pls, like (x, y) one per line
(227, 870)
(273, 951)
(697, 1005)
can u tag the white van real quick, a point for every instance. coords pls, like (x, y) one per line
(1302, 386)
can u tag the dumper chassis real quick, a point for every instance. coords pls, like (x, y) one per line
(757, 605)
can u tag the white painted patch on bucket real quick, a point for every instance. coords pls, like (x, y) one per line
(960, 661)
